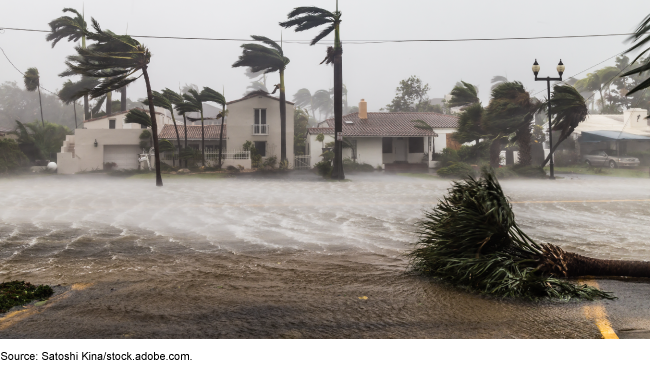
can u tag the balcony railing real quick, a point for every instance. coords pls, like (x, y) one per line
(260, 129)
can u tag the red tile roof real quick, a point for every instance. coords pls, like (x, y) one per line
(193, 132)
(255, 94)
(388, 124)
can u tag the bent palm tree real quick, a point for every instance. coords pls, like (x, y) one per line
(115, 59)
(309, 17)
(598, 81)
(570, 109)
(74, 29)
(209, 94)
(497, 80)
(268, 59)
(303, 98)
(463, 95)
(161, 101)
(33, 82)
(194, 104)
(471, 239)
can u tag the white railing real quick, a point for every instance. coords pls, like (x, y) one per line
(260, 129)
(213, 154)
(302, 162)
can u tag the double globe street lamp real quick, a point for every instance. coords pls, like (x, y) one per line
(560, 70)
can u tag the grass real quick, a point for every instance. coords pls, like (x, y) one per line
(152, 176)
(15, 293)
(602, 171)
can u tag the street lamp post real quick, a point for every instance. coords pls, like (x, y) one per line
(560, 70)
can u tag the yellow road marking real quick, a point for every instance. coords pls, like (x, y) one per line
(598, 314)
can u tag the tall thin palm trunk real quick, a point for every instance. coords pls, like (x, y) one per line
(154, 127)
(109, 103)
(223, 120)
(337, 170)
(86, 108)
(185, 127)
(123, 100)
(74, 108)
(202, 139)
(283, 120)
(40, 103)
(178, 137)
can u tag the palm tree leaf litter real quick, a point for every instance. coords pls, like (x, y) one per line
(471, 239)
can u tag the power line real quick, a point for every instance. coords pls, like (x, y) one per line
(22, 73)
(363, 41)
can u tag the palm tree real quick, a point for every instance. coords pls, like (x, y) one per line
(309, 17)
(33, 82)
(463, 95)
(303, 98)
(598, 81)
(45, 139)
(194, 103)
(161, 101)
(641, 38)
(570, 109)
(497, 80)
(74, 29)
(324, 103)
(471, 239)
(176, 99)
(268, 59)
(511, 110)
(115, 59)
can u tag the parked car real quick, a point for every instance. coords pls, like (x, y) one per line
(609, 158)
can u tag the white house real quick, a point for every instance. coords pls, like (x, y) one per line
(255, 118)
(387, 138)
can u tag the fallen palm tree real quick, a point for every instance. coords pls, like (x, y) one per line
(471, 239)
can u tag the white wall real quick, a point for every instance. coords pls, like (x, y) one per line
(161, 120)
(440, 142)
(88, 157)
(241, 118)
(316, 148)
(369, 151)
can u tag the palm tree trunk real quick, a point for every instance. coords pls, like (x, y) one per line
(337, 168)
(185, 127)
(41, 104)
(178, 137)
(86, 108)
(602, 101)
(74, 106)
(495, 153)
(109, 103)
(123, 100)
(559, 262)
(223, 120)
(283, 120)
(154, 127)
(202, 139)
(523, 140)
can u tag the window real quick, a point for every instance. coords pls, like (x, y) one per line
(416, 145)
(260, 147)
(387, 145)
(111, 124)
(260, 116)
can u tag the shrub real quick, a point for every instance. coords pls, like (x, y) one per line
(108, 166)
(449, 157)
(324, 168)
(458, 169)
(270, 162)
(232, 169)
(11, 157)
(349, 165)
(16, 293)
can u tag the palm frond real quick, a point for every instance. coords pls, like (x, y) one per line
(31, 79)
(463, 95)
(323, 34)
(420, 124)
(67, 27)
(208, 94)
(98, 105)
(138, 116)
(173, 97)
(268, 41)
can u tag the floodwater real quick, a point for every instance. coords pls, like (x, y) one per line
(292, 257)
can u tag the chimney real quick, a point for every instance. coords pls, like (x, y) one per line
(363, 109)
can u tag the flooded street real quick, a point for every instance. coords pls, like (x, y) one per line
(297, 258)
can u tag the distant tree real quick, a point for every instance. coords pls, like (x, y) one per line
(300, 124)
(304, 99)
(43, 139)
(176, 100)
(463, 95)
(324, 103)
(411, 95)
(598, 81)
(32, 83)
(497, 80)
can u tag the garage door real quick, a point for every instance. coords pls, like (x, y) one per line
(125, 156)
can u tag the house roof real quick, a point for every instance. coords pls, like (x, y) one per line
(388, 124)
(193, 132)
(608, 122)
(118, 113)
(256, 94)
(598, 136)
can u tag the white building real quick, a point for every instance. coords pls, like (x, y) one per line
(387, 138)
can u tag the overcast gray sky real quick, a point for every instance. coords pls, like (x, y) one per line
(370, 71)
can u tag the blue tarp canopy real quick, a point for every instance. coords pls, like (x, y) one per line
(603, 136)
